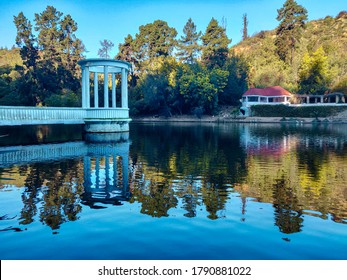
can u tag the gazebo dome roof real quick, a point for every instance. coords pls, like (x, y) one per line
(97, 64)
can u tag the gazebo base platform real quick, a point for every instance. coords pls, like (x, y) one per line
(106, 126)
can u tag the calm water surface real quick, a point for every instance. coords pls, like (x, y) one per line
(174, 191)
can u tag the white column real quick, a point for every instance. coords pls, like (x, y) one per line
(105, 86)
(125, 172)
(115, 171)
(96, 90)
(107, 171)
(113, 90)
(83, 87)
(97, 171)
(87, 81)
(124, 89)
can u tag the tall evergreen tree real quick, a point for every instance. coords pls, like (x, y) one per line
(244, 29)
(72, 48)
(188, 46)
(292, 19)
(106, 47)
(51, 59)
(215, 45)
(47, 24)
(26, 41)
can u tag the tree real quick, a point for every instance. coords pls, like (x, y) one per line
(50, 61)
(244, 29)
(126, 50)
(292, 19)
(237, 80)
(127, 53)
(314, 73)
(200, 87)
(71, 47)
(154, 40)
(26, 41)
(47, 24)
(188, 47)
(215, 45)
(106, 46)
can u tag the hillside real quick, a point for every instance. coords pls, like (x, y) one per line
(267, 69)
(10, 57)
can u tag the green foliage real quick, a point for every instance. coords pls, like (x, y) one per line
(295, 112)
(200, 87)
(237, 80)
(292, 19)
(165, 82)
(215, 45)
(267, 69)
(26, 41)
(10, 57)
(314, 73)
(65, 99)
(341, 85)
(188, 47)
(153, 93)
(50, 60)
(154, 40)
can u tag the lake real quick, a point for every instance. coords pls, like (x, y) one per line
(174, 191)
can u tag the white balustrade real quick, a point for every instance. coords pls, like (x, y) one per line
(54, 115)
(107, 113)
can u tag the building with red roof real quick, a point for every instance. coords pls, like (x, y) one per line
(260, 96)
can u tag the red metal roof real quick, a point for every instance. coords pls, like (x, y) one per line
(269, 91)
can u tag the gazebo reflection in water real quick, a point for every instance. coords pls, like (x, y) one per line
(106, 170)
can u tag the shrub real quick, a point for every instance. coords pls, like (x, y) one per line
(298, 112)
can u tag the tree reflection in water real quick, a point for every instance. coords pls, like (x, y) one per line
(52, 192)
(197, 168)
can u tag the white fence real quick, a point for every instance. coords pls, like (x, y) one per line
(57, 115)
(48, 152)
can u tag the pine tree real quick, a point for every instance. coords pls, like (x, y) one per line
(47, 24)
(215, 45)
(244, 29)
(51, 59)
(71, 47)
(188, 47)
(106, 47)
(292, 19)
(26, 41)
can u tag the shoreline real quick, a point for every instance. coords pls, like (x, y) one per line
(218, 119)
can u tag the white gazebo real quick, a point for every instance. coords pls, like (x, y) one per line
(105, 67)
(109, 117)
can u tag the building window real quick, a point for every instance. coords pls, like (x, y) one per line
(278, 99)
(252, 98)
(263, 99)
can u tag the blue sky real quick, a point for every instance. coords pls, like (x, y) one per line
(115, 19)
